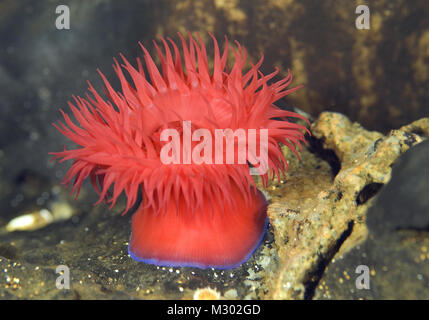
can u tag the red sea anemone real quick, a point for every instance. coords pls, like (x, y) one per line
(207, 214)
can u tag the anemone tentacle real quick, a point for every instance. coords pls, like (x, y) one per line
(118, 136)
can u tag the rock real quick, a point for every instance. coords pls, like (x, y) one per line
(403, 203)
(397, 248)
(398, 269)
(377, 77)
(320, 210)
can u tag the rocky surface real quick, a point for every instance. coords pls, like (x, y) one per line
(317, 216)
(397, 248)
(320, 212)
(369, 75)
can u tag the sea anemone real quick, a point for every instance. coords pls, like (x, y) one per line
(205, 214)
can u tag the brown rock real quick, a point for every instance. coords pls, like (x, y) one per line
(316, 215)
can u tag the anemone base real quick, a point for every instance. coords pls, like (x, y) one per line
(220, 238)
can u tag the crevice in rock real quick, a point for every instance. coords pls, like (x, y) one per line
(316, 146)
(367, 192)
(313, 276)
(419, 131)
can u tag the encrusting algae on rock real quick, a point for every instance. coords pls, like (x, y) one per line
(319, 213)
